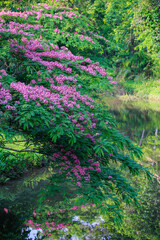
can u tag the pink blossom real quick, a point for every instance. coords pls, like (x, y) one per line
(91, 168)
(33, 81)
(34, 214)
(24, 39)
(87, 178)
(90, 160)
(98, 169)
(78, 184)
(6, 210)
(96, 164)
(3, 72)
(113, 82)
(109, 177)
(29, 222)
(110, 78)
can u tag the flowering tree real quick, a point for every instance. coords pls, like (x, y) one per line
(44, 78)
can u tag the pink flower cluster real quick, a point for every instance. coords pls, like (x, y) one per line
(66, 96)
(93, 69)
(83, 206)
(46, 226)
(3, 72)
(5, 95)
(51, 226)
(38, 15)
(61, 78)
(34, 44)
(72, 168)
(62, 7)
(25, 26)
(69, 14)
(58, 15)
(100, 37)
(83, 38)
(62, 54)
(60, 93)
(6, 210)
(14, 14)
(17, 28)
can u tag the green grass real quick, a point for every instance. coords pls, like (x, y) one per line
(147, 89)
(138, 85)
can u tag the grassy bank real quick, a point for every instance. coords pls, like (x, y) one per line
(143, 89)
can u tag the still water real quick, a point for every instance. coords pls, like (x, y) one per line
(140, 121)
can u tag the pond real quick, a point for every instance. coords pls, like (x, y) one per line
(140, 121)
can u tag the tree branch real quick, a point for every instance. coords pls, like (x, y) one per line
(15, 141)
(23, 150)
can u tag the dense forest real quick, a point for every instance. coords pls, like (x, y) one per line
(95, 163)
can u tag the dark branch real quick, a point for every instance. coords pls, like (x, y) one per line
(23, 150)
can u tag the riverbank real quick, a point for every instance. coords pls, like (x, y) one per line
(134, 90)
(132, 101)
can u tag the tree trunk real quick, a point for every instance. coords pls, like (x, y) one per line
(156, 133)
(140, 143)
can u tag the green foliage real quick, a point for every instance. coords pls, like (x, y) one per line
(133, 30)
(13, 165)
(144, 223)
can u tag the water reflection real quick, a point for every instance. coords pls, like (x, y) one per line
(140, 124)
(20, 197)
(133, 120)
